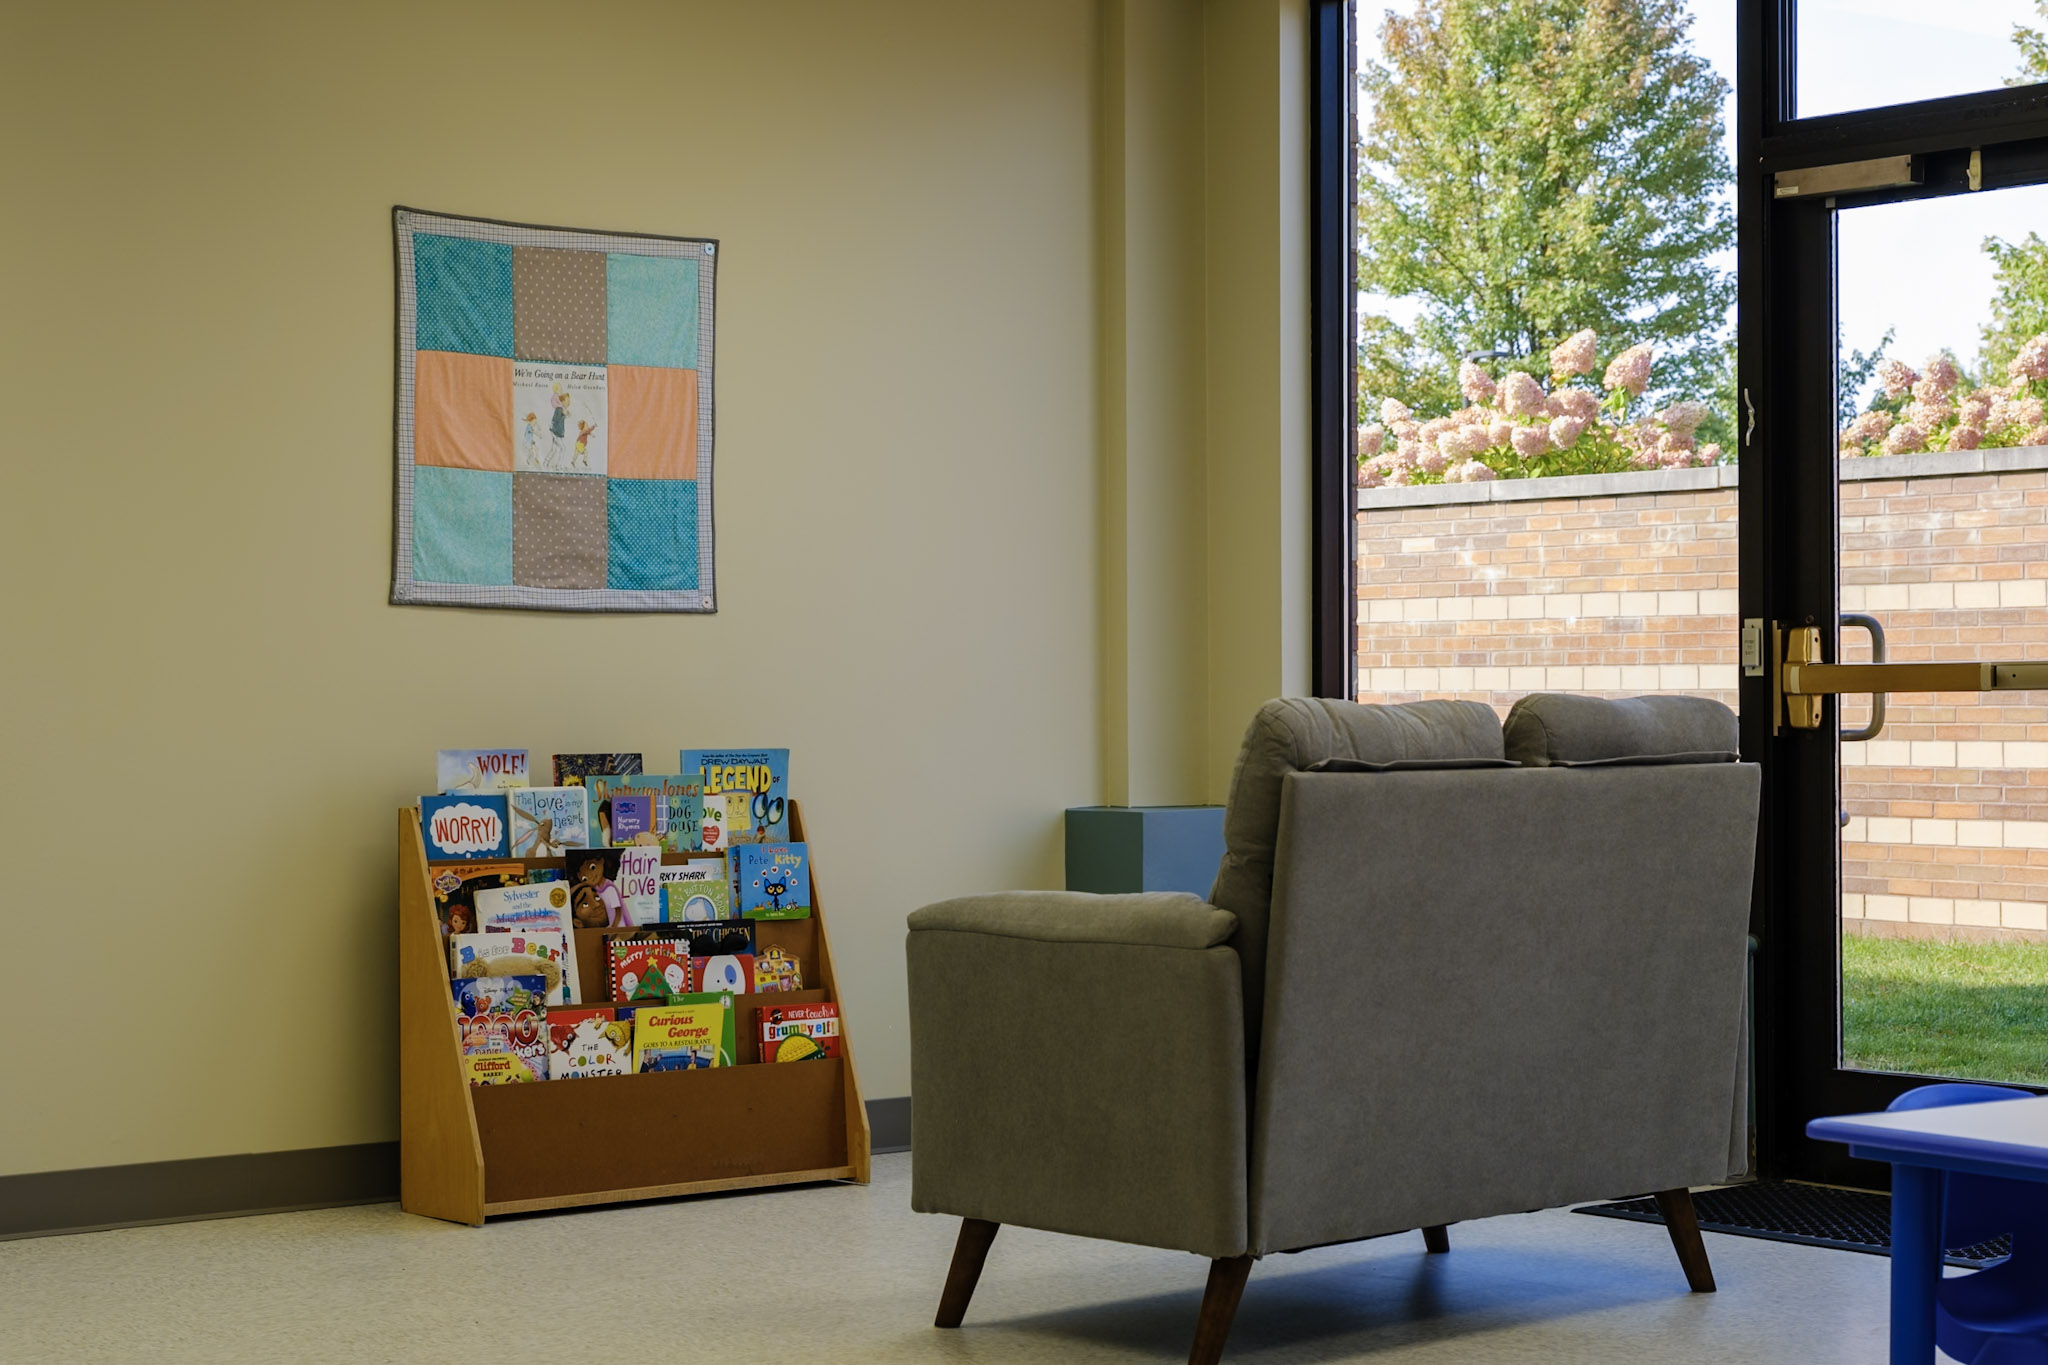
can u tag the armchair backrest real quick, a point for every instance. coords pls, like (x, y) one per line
(1294, 734)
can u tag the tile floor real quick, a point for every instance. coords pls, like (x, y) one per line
(844, 1273)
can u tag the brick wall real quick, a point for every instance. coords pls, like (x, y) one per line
(1623, 584)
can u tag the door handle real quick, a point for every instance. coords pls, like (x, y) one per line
(1876, 629)
(1803, 678)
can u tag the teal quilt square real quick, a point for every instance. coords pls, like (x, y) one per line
(653, 535)
(463, 291)
(651, 311)
(461, 526)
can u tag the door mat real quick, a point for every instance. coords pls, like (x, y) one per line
(1811, 1215)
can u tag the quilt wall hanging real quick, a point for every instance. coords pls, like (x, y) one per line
(554, 417)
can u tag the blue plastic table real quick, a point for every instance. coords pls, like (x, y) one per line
(2008, 1139)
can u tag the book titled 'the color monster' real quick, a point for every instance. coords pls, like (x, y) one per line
(465, 825)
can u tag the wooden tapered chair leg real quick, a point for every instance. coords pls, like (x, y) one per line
(1684, 1225)
(1219, 1308)
(968, 1255)
(1437, 1240)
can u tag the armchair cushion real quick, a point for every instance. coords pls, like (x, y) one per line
(1555, 728)
(1158, 919)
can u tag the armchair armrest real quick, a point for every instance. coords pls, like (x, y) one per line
(1077, 1065)
(1157, 919)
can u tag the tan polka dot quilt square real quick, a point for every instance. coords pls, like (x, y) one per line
(558, 305)
(558, 531)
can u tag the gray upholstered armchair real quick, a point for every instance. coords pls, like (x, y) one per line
(1444, 973)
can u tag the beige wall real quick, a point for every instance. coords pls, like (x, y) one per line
(211, 710)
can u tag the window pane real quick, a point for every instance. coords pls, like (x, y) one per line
(1546, 379)
(1863, 54)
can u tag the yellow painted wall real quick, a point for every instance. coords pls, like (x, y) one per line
(210, 710)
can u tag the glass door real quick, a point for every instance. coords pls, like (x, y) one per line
(1894, 363)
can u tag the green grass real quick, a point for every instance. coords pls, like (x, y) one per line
(1975, 1011)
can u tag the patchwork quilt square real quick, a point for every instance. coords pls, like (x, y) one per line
(558, 302)
(652, 521)
(559, 535)
(555, 417)
(464, 288)
(463, 521)
(463, 407)
(651, 311)
(654, 422)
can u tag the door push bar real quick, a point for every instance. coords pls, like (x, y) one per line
(1803, 679)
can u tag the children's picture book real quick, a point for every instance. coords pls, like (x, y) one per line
(603, 790)
(774, 880)
(756, 783)
(593, 1041)
(678, 800)
(799, 1033)
(592, 875)
(648, 969)
(548, 820)
(572, 769)
(724, 972)
(480, 770)
(640, 883)
(542, 953)
(502, 1018)
(455, 891)
(695, 1032)
(540, 906)
(466, 825)
(711, 823)
(775, 970)
(632, 819)
(695, 892)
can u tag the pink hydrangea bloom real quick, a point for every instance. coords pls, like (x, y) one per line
(1475, 383)
(1469, 472)
(1369, 475)
(1674, 441)
(1928, 413)
(1565, 431)
(1531, 442)
(1406, 453)
(1393, 410)
(1644, 459)
(1631, 369)
(1499, 432)
(1965, 438)
(1583, 404)
(1521, 395)
(1904, 439)
(2032, 361)
(1710, 453)
(1683, 419)
(1870, 426)
(1897, 377)
(1478, 436)
(1432, 461)
(1975, 410)
(1405, 429)
(1370, 439)
(1398, 477)
(1940, 380)
(1452, 445)
(2037, 437)
(1675, 459)
(2029, 412)
(1574, 355)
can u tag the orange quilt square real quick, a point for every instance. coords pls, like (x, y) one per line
(654, 422)
(462, 411)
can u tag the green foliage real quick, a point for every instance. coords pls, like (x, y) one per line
(2033, 46)
(1856, 369)
(1534, 167)
(2019, 300)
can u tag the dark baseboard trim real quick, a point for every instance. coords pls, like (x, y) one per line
(100, 1197)
(48, 1203)
(889, 1125)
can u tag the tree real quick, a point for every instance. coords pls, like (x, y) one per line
(2019, 302)
(1534, 167)
(2033, 46)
